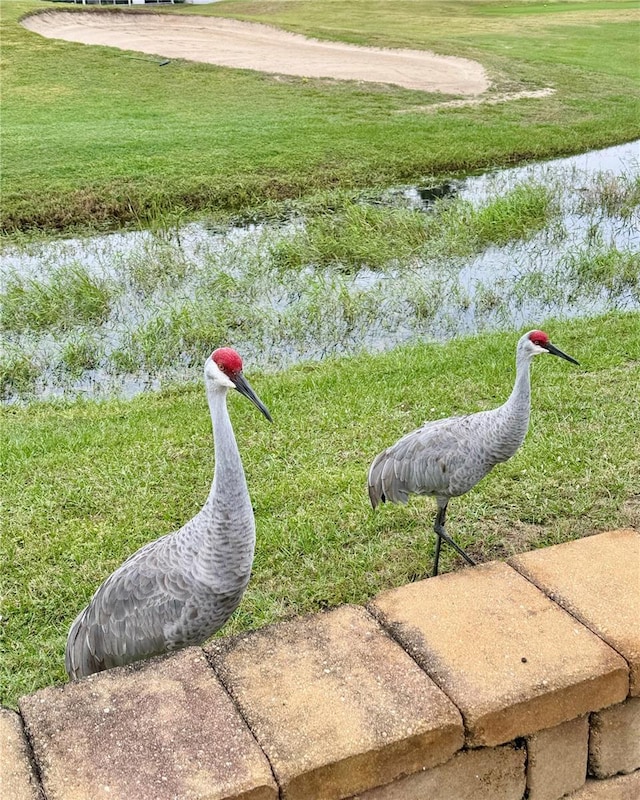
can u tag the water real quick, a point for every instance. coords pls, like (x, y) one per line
(173, 296)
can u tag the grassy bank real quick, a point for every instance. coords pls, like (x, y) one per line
(93, 137)
(88, 483)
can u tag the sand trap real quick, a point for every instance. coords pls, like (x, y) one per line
(247, 45)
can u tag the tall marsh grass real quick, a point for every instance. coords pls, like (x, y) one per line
(613, 195)
(355, 236)
(609, 270)
(377, 237)
(72, 296)
(18, 374)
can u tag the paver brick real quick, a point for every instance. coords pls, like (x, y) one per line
(511, 660)
(17, 778)
(623, 787)
(489, 773)
(597, 579)
(614, 744)
(337, 706)
(153, 731)
(557, 759)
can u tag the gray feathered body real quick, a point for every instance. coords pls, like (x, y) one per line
(446, 458)
(180, 589)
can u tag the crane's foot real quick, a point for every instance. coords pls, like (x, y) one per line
(442, 534)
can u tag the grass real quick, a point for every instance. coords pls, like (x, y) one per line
(81, 353)
(517, 214)
(71, 297)
(612, 195)
(89, 482)
(608, 270)
(357, 235)
(178, 334)
(18, 373)
(107, 134)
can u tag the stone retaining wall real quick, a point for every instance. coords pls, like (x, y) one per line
(505, 681)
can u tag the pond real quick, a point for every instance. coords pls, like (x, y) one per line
(120, 313)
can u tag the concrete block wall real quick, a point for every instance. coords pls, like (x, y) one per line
(500, 682)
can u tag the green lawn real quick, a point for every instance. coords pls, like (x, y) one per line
(94, 138)
(88, 483)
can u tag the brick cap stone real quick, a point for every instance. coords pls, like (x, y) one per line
(337, 706)
(597, 579)
(623, 787)
(153, 731)
(484, 774)
(17, 778)
(510, 659)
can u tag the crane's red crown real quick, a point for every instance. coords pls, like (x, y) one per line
(227, 359)
(539, 337)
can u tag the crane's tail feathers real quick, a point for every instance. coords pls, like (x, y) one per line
(79, 661)
(375, 496)
(376, 493)
(384, 483)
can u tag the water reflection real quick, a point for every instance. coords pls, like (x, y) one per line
(429, 194)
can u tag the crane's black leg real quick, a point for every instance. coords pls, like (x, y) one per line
(436, 558)
(438, 527)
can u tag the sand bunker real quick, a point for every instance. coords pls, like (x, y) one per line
(247, 45)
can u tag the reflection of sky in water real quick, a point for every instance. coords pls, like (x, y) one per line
(510, 286)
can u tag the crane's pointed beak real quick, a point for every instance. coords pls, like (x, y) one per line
(244, 387)
(551, 348)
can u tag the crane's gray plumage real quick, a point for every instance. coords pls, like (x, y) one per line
(180, 589)
(447, 457)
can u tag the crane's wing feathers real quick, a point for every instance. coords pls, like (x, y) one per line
(128, 613)
(423, 462)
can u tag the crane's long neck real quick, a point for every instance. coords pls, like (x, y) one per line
(519, 401)
(226, 524)
(512, 418)
(228, 472)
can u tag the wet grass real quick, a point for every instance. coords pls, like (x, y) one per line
(609, 270)
(89, 482)
(148, 272)
(357, 235)
(69, 298)
(180, 334)
(460, 229)
(612, 195)
(18, 374)
(255, 140)
(518, 214)
(80, 354)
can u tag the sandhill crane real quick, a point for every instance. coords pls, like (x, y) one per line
(180, 589)
(447, 457)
